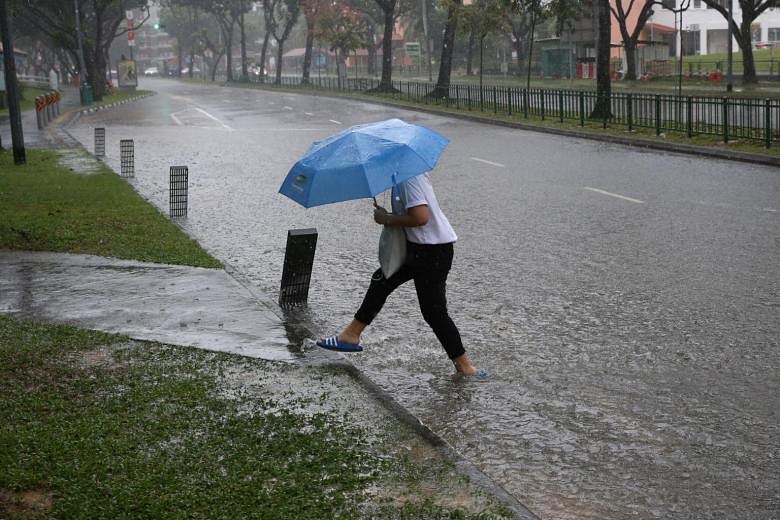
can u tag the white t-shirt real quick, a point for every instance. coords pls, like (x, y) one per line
(418, 191)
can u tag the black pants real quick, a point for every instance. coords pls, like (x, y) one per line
(428, 266)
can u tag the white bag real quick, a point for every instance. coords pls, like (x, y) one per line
(392, 241)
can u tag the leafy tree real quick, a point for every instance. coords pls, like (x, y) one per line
(751, 9)
(282, 17)
(534, 11)
(370, 14)
(345, 32)
(622, 11)
(388, 8)
(481, 19)
(181, 22)
(442, 87)
(311, 11)
(520, 27)
(100, 22)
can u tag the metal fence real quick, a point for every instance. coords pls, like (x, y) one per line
(730, 118)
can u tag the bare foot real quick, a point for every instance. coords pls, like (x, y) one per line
(464, 366)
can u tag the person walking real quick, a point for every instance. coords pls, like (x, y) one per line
(429, 253)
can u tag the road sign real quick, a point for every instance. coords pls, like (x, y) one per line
(129, 15)
(412, 48)
(130, 33)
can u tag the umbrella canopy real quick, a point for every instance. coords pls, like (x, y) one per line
(362, 162)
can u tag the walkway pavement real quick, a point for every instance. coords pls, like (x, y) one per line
(179, 305)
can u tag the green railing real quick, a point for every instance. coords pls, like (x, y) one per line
(730, 118)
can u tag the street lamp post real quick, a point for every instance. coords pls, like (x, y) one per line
(671, 6)
(730, 57)
(14, 111)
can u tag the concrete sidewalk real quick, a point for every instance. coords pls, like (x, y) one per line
(178, 305)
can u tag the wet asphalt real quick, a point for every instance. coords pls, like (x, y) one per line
(625, 301)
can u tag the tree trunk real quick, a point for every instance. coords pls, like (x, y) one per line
(746, 44)
(386, 83)
(244, 68)
(602, 109)
(279, 54)
(228, 34)
(263, 56)
(530, 46)
(630, 50)
(308, 53)
(470, 55)
(442, 88)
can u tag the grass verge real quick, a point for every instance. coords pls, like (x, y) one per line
(28, 99)
(121, 95)
(46, 207)
(96, 426)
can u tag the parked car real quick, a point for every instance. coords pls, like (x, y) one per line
(186, 71)
(152, 71)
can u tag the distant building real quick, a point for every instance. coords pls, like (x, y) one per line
(705, 30)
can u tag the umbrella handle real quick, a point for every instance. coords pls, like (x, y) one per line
(375, 204)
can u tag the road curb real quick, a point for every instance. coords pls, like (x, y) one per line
(115, 104)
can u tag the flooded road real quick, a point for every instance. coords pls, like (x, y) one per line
(625, 302)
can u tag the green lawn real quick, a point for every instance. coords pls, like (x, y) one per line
(46, 207)
(121, 95)
(28, 99)
(96, 426)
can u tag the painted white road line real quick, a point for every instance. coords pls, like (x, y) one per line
(637, 201)
(308, 114)
(770, 210)
(271, 103)
(335, 122)
(287, 108)
(212, 118)
(488, 162)
(176, 119)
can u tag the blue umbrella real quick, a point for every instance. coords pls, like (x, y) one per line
(362, 162)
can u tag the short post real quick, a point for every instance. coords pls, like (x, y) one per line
(582, 107)
(495, 101)
(38, 112)
(100, 142)
(178, 191)
(725, 119)
(630, 111)
(127, 158)
(298, 262)
(657, 114)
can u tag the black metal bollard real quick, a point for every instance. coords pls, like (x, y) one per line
(298, 262)
(127, 158)
(178, 191)
(100, 142)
